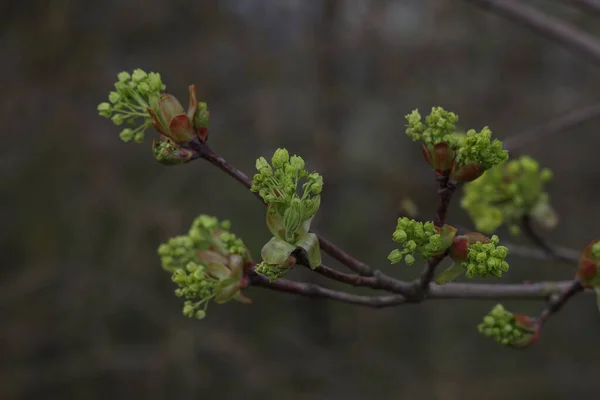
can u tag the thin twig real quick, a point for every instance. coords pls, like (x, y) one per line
(555, 126)
(445, 192)
(556, 303)
(318, 292)
(378, 281)
(553, 28)
(540, 242)
(483, 291)
(568, 255)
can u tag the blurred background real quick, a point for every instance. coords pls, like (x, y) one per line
(86, 310)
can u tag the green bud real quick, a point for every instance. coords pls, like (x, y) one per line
(118, 119)
(127, 135)
(280, 158)
(395, 256)
(297, 162)
(261, 163)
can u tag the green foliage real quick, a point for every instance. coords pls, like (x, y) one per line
(416, 237)
(514, 330)
(289, 214)
(207, 264)
(134, 94)
(506, 193)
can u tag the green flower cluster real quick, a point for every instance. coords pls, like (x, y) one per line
(279, 184)
(135, 93)
(439, 126)
(475, 255)
(478, 148)
(506, 193)
(462, 156)
(208, 263)
(417, 237)
(485, 259)
(289, 214)
(514, 330)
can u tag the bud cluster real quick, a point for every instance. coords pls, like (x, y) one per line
(462, 157)
(479, 255)
(289, 214)
(513, 330)
(209, 263)
(134, 94)
(425, 239)
(139, 101)
(475, 255)
(507, 193)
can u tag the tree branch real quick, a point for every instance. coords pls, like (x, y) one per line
(557, 302)
(318, 292)
(456, 291)
(539, 241)
(445, 192)
(553, 28)
(408, 293)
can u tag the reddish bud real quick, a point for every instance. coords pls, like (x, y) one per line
(459, 251)
(587, 270)
(447, 233)
(169, 118)
(198, 114)
(467, 173)
(440, 156)
(530, 328)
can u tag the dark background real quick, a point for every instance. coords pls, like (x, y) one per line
(87, 312)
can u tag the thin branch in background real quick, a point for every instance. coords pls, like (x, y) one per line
(488, 291)
(553, 127)
(568, 255)
(588, 5)
(540, 242)
(571, 38)
(557, 302)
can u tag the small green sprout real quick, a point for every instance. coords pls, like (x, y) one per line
(289, 214)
